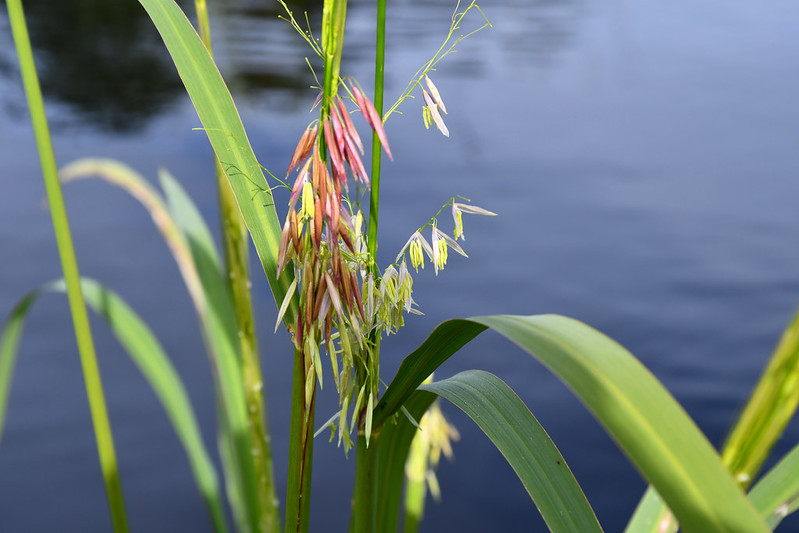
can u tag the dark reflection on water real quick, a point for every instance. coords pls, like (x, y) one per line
(105, 62)
(261, 52)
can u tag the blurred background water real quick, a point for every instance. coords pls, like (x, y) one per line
(642, 157)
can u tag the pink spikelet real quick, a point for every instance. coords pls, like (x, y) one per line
(372, 118)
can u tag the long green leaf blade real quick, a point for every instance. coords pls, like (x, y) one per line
(149, 356)
(777, 494)
(395, 441)
(145, 350)
(446, 339)
(243, 469)
(768, 411)
(10, 336)
(69, 266)
(651, 515)
(194, 250)
(771, 406)
(645, 420)
(513, 429)
(222, 124)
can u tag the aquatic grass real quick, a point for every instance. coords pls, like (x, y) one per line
(333, 296)
(192, 246)
(149, 356)
(770, 407)
(69, 265)
(236, 255)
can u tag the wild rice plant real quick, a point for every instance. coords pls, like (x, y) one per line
(338, 303)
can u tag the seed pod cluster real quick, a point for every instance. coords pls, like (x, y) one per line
(319, 238)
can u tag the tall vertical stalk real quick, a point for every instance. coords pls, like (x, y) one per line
(69, 265)
(298, 487)
(380, 61)
(364, 493)
(234, 242)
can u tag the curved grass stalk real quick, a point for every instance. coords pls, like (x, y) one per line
(236, 254)
(513, 429)
(222, 124)
(646, 421)
(770, 408)
(192, 246)
(69, 265)
(149, 356)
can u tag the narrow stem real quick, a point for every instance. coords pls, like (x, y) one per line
(234, 237)
(380, 60)
(364, 497)
(298, 486)
(69, 265)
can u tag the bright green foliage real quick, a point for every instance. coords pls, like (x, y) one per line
(643, 418)
(223, 126)
(649, 425)
(769, 410)
(145, 350)
(777, 494)
(531, 453)
(69, 266)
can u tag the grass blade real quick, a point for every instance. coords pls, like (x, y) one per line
(249, 472)
(395, 441)
(10, 336)
(133, 183)
(513, 429)
(777, 494)
(222, 124)
(646, 421)
(69, 266)
(195, 252)
(769, 410)
(149, 356)
(152, 361)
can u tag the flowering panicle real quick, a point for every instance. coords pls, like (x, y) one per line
(344, 303)
(326, 244)
(417, 246)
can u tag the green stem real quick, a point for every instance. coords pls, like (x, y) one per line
(364, 501)
(380, 60)
(364, 496)
(69, 265)
(234, 237)
(298, 487)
